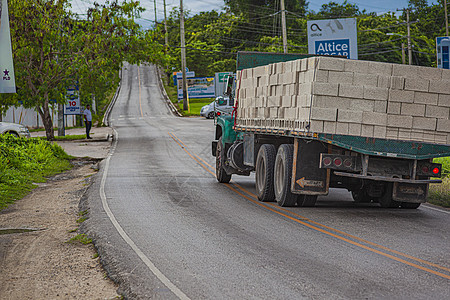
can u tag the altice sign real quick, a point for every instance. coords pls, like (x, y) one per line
(333, 37)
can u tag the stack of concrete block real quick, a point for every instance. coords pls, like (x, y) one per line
(348, 97)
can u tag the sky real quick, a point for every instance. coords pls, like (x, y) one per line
(196, 6)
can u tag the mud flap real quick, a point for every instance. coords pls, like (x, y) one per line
(410, 192)
(308, 178)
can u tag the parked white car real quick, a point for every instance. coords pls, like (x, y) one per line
(221, 104)
(14, 129)
(207, 111)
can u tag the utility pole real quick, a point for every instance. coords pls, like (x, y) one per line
(183, 56)
(283, 27)
(166, 35)
(446, 18)
(409, 38)
(403, 53)
(156, 21)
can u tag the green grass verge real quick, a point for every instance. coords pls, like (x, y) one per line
(195, 105)
(24, 162)
(439, 194)
(80, 238)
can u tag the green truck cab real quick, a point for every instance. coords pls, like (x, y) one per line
(294, 168)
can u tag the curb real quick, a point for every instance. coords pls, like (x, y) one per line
(172, 107)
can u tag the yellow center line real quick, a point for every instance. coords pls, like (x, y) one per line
(140, 97)
(308, 223)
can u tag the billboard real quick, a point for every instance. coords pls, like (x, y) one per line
(198, 87)
(442, 52)
(73, 105)
(7, 79)
(220, 80)
(333, 37)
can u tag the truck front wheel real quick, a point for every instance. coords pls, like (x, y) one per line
(283, 176)
(221, 175)
(265, 163)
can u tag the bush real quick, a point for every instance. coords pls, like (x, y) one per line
(24, 162)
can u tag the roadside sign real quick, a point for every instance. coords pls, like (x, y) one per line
(7, 79)
(220, 80)
(179, 75)
(333, 37)
(73, 105)
(442, 52)
(198, 87)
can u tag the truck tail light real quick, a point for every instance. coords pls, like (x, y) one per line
(337, 162)
(425, 168)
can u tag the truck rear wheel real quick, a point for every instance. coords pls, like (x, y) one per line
(221, 175)
(265, 163)
(306, 200)
(283, 176)
(386, 200)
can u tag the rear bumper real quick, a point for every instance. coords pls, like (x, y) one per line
(388, 179)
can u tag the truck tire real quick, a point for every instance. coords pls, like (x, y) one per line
(221, 175)
(265, 163)
(306, 200)
(409, 205)
(386, 200)
(360, 196)
(283, 176)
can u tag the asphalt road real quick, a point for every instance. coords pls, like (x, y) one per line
(166, 229)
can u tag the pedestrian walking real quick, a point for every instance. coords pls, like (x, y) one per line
(88, 120)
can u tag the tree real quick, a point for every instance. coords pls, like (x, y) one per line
(53, 50)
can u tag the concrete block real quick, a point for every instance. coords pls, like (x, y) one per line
(367, 130)
(445, 75)
(362, 105)
(274, 101)
(443, 125)
(278, 68)
(401, 96)
(312, 62)
(379, 132)
(273, 114)
(380, 68)
(380, 106)
(262, 81)
(273, 79)
(266, 112)
(316, 126)
(440, 86)
(360, 79)
(418, 72)
(273, 90)
(316, 76)
(331, 64)
(392, 133)
(329, 127)
(325, 89)
(417, 84)
(323, 114)
(410, 109)
(340, 77)
(279, 90)
(426, 98)
(349, 116)
(280, 113)
(417, 135)
(351, 91)
(444, 100)
(290, 113)
(304, 88)
(424, 123)
(440, 138)
(289, 77)
(330, 102)
(428, 136)
(288, 66)
(304, 100)
(394, 108)
(397, 83)
(375, 93)
(399, 121)
(302, 113)
(354, 129)
(404, 134)
(259, 71)
(286, 101)
(372, 118)
(356, 66)
(437, 112)
(304, 65)
(342, 128)
(384, 81)
(260, 102)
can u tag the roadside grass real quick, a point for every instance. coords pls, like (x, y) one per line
(194, 104)
(80, 238)
(439, 194)
(24, 162)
